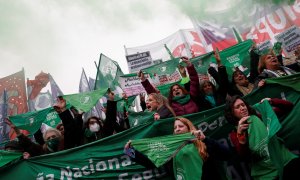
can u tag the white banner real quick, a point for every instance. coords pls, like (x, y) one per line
(290, 39)
(138, 61)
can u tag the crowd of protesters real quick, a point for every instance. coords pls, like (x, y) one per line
(192, 97)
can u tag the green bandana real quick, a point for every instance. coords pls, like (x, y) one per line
(211, 100)
(182, 99)
(52, 144)
(187, 164)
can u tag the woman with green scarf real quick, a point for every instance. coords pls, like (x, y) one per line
(182, 101)
(255, 140)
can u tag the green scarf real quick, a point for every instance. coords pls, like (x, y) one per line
(211, 100)
(261, 165)
(182, 99)
(163, 148)
(187, 164)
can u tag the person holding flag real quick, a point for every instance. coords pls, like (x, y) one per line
(255, 139)
(188, 154)
(182, 101)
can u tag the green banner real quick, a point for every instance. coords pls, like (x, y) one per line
(7, 157)
(30, 121)
(104, 159)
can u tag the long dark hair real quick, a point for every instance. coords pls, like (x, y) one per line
(229, 110)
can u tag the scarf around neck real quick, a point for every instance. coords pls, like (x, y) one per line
(182, 99)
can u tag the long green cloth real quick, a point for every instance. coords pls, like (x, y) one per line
(104, 159)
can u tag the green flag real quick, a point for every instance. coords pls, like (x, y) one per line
(85, 101)
(7, 156)
(161, 149)
(202, 62)
(237, 56)
(167, 67)
(52, 118)
(269, 117)
(30, 121)
(108, 73)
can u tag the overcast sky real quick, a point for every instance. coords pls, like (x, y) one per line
(61, 37)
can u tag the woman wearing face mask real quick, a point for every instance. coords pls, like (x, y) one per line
(96, 129)
(52, 138)
(53, 141)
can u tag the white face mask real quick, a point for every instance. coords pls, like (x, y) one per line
(94, 127)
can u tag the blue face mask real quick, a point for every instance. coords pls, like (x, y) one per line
(52, 144)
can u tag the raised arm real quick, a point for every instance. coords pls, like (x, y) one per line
(146, 84)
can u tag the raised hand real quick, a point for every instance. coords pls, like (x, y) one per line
(186, 60)
(60, 105)
(199, 134)
(141, 75)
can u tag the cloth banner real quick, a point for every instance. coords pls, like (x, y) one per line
(104, 159)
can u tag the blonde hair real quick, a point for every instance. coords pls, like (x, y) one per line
(162, 101)
(202, 150)
(262, 61)
(57, 132)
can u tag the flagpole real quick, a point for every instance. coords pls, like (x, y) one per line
(186, 44)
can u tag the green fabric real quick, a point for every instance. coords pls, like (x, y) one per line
(182, 99)
(277, 48)
(187, 164)
(52, 118)
(88, 133)
(166, 67)
(7, 156)
(85, 101)
(184, 80)
(30, 121)
(138, 118)
(279, 154)
(160, 149)
(237, 55)
(211, 100)
(269, 117)
(201, 63)
(261, 167)
(165, 89)
(104, 159)
(108, 73)
(291, 81)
